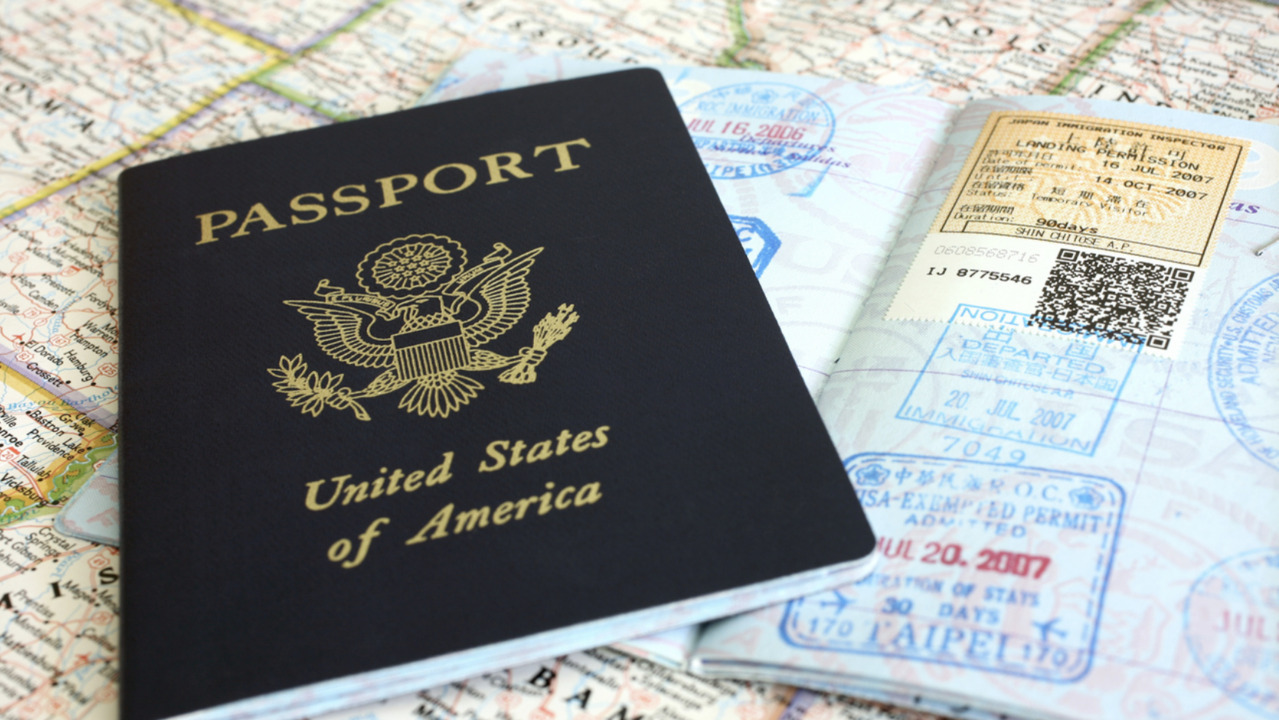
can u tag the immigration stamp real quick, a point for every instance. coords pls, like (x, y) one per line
(1093, 227)
(1135, 189)
(1232, 628)
(1243, 371)
(999, 568)
(758, 240)
(996, 379)
(754, 129)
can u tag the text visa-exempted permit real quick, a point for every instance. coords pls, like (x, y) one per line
(1093, 227)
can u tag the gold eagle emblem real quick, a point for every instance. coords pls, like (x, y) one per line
(423, 317)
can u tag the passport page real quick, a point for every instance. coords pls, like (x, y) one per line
(817, 175)
(1073, 521)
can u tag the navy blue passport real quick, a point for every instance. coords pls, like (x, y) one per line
(417, 397)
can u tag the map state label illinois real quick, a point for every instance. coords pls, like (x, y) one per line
(963, 50)
(1204, 55)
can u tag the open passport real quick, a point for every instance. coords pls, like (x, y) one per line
(417, 397)
(1044, 336)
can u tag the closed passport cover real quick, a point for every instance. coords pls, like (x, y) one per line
(405, 386)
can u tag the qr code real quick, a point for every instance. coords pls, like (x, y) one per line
(1112, 298)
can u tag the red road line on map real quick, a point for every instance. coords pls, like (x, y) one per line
(26, 475)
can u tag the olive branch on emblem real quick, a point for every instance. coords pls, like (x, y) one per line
(313, 391)
(422, 318)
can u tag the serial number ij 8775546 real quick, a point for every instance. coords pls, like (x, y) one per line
(979, 274)
(996, 561)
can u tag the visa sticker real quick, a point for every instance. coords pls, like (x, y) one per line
(1092, 227)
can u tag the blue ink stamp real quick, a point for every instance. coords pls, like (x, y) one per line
(1243, 370)
(994, 567)
(988, 375)
(1232, 628)
(758, 240)
(755, 129)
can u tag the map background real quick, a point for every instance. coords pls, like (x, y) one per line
(88, 88)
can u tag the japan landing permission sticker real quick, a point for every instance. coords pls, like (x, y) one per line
(1093, 227)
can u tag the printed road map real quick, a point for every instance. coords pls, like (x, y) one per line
(88, 88)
